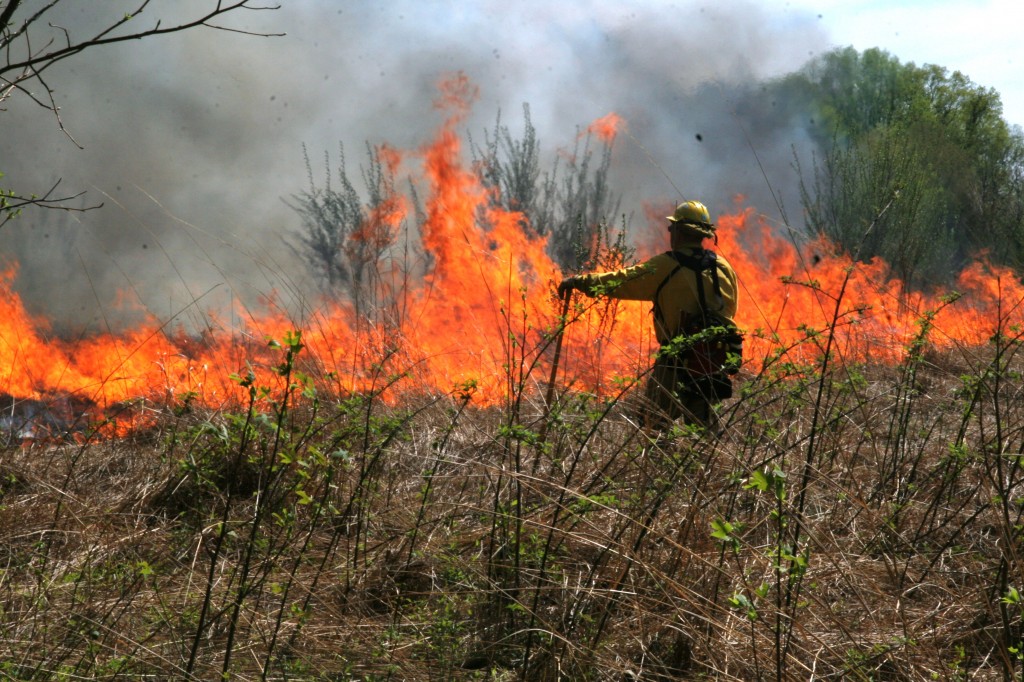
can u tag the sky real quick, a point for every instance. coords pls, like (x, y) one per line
(194, 143)
(981, 39)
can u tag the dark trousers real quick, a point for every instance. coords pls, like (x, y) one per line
(673, 393)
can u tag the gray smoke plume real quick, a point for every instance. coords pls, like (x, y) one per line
(191, 141)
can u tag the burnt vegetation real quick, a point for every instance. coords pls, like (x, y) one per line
(348, 238)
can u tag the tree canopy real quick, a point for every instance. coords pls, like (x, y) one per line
(917, 164)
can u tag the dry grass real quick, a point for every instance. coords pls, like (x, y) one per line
(862, 528)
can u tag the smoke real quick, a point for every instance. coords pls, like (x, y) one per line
(191, 141)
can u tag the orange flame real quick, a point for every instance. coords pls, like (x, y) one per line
(484, 314)
(791, 293)
(456, 94)
(607, 127)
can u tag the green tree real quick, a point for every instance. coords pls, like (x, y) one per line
(878, 197)
(934, 144)
(855, 93)
(980, 158)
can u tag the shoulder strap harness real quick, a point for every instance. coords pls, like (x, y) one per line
(701, 260)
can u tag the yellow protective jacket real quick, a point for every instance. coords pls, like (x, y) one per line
(677, 298)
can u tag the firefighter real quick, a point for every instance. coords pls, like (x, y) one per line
(680, 383)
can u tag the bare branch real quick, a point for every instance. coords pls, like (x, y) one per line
(11, 203)
(5, 38)
(22, 62)
(56, 111)
(40, 61)
(5, 16)
(248, 33)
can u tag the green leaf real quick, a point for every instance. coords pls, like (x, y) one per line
(759, 481)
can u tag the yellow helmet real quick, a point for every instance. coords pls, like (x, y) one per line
(692, 213)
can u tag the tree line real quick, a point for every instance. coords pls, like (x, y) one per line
(916, 165)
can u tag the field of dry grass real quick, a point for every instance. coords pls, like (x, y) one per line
(854, 522)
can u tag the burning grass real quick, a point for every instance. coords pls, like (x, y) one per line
(858, 521)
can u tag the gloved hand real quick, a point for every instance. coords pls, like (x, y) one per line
(567, 285)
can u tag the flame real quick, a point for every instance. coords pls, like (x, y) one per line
(607, 127)
(456, 95)
(482, 317)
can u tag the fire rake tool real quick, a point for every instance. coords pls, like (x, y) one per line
(549, 395)
(562, 322)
